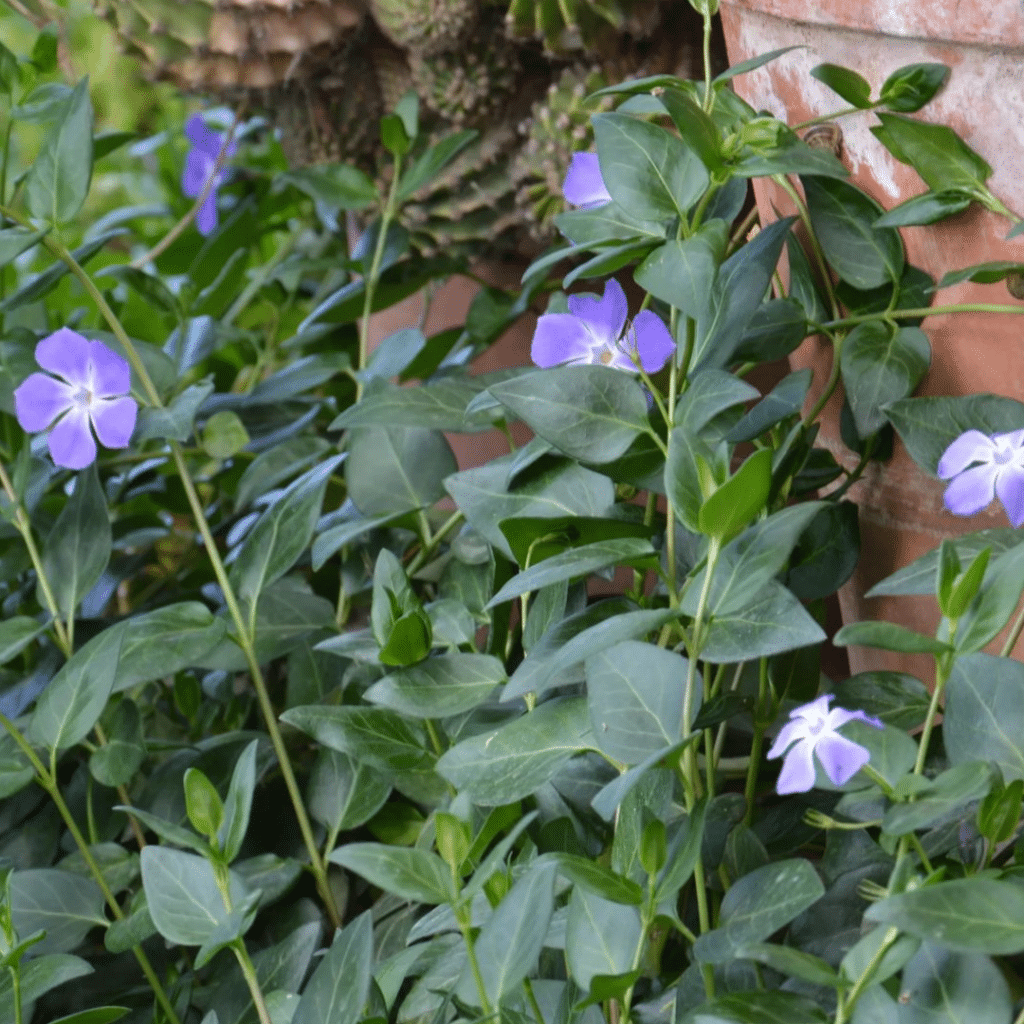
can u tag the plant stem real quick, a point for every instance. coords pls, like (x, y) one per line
(532, 999)
(49, 784)
(474, 966)
(708, 96)
(750, 790)
(819, 257)
(16, 992)
(822, 118)
(244, 637)
(249, 972)
(1014, 636)
(370, 283)
(917, 314)
(845, 1008)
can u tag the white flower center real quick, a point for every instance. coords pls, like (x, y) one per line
(815, 727)
(1003, 456)
(82, 398)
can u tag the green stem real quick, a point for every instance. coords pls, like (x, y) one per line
(943, 666)
(49, 784)
(387, 215)
(830, 385)
(708, 95)
(846, 1005)
(750, 790)
(918, 314)
(737, 237)
(1014, 636)
(474, 966)
(822, 118)
(244, 636)
(249, 972)
(819, 257)
(532, 999)
(16, 992)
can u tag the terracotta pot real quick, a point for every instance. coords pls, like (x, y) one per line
(902, 514)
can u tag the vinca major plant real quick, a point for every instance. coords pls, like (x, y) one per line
(304, 724)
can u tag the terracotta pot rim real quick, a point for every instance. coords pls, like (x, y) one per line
(999, 26)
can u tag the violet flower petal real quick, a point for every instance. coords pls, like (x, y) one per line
(841, 758)
(1010, 491)
(203, 138)
(111, 375)
(197, 170)
(206, 216)
(561, 338)
(791, 732)
(972, 490)
(583, 186)
(970, 446)
(39, 400)
(840, 716)
(66, 354)
(798, 774)
(815, 709)
(70, 441)
(653, 341)
(606, 317)
(114, 420)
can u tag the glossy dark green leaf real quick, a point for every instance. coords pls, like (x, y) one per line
(175, 422)
(576, 562)
(282, 533)
(926, 209)
(16, 634)
(889, 636)
(698, 131)
(440, 687)
(789, 961)
(773, 622)
(827, 552)
(398, 469)
(510, 762)
(972, 915)
(58, 181)
(74, 699)
(681, 273)
(881, 365)
(344, 793)
(935, 151)
(776, 329)
(238, 803)
(408, 873)
(852, 87)
(38, 976)
(648, 170)
(939, 984)
(592, 413)
(67, 906)
(635, 698)
(732, 506)
(752, 64)
(601, 937)
(984, 273)
(756, 1008)
(116, 762)
(999, 813)
(898, 699)
(947, 793)
(803, 284)
(909, 88)
(338, 990)
(436, 405)
(598, 879)
(78, 547)
(983, 717)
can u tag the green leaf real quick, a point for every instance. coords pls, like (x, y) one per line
(553, 488)
(909, 88)
(592, 413)
(175, 422)
(440, 687)
(576, 562)
(343, 793)
(598, 879)
(67, 906)
(432, 162)
(733, 505)
(976, 914)
(376, 735)
(944, 795)
(166, 830)
(38, 976)
(58, 180)
(392, 470)
(74, 699)
(681, 272)
(223, 435)
(881, 364)
(843, 218)
(935, 151)
(772, 622)
(15, 241)
(999, 813)
(510, 762)
(635, 698)
(282, 533)
(646, 169)
(983, 717)
(78, 547)
(185, 902)
(16, 634)
(99, 1015)
(940, 985)
(338, 186)
(437, 405)
(889, 636)
(406, 872)
(926, 209)
(846, 83)
(757, 1008)
(898, 699)
(984, 273)
(202, 803)
(601, 937)
(789, 961)
(752, 64)
(238, 803)
(340, 985)
(962, 590)
(511, 939)
(393, 135)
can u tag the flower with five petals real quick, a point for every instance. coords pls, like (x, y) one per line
(981, 468)
(199, 165)
(91, 394)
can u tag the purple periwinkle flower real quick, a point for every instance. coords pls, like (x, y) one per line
(93, 389)
(812, 730)
(595, 331)
(199, 164)
(1000, 473)
(583, 186)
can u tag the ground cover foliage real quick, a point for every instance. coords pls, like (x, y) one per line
(302, 723)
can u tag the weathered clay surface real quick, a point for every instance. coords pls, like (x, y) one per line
(902, 515)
